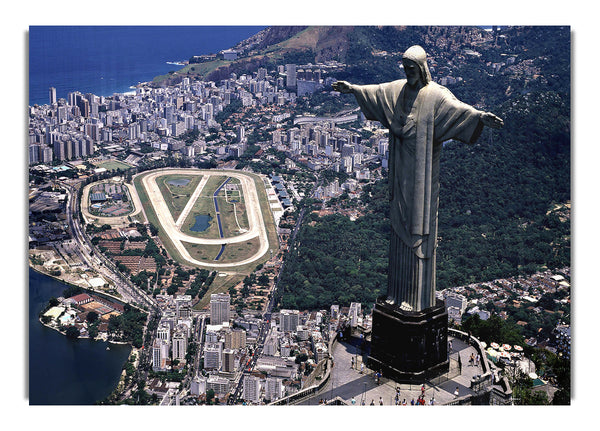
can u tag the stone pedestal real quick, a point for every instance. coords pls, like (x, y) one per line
(407, 346)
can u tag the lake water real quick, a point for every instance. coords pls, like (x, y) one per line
(179, 182)
(202, 223)
(64, 371)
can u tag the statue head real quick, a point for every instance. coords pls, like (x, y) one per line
(416, 55)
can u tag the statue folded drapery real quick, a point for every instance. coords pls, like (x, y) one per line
(420, 116)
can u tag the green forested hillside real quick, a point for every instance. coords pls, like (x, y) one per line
(504, 201)
(338, 261)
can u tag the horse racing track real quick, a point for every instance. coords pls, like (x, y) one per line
(209, 218)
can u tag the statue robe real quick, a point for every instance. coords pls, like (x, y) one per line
(416, 139)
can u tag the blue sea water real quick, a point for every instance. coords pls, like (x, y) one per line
(110, 59)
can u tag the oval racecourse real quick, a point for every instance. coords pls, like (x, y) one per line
(245, 246)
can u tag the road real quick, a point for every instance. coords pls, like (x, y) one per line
(96, 260)
(264, 327)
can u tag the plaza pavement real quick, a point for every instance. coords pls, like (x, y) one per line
(347, 382)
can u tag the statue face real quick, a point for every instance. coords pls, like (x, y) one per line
(413, 74)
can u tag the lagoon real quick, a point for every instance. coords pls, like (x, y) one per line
(64, 371)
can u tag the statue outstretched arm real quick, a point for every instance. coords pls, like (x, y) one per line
(491, 120)
(343, 87)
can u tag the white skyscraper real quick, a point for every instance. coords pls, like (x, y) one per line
(164, 332)
(273, 388)
(160, 353)
(354, 313)
(179, 344)
(219, 308)
(251, 389)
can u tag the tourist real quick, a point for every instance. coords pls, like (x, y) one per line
(477, 358)
(372, 403)
(404, 402)
(471, 360)
(450, 346)
(456, 392)
(353, 401)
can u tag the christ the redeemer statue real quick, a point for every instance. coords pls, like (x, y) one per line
(420, 116)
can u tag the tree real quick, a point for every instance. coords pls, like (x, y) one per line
(210, 394)
(302, 357)
(72, 332)
(91, 317)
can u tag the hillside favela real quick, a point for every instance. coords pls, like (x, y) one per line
(219, 235)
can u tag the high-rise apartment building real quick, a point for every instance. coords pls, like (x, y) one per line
(160, 354)
(164, 332)
(273, 388)
(289, 320)
(235, 339)
(212, 356)
(251, 389)
(52, 95)
(219, 308)
(179, 344)
(228, 364)
(291, 78)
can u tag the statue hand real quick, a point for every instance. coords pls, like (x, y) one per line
(491, 120)
(342, 86)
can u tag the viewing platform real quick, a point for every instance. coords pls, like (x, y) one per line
(350, 379)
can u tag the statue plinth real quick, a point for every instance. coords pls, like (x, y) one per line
(409, 346)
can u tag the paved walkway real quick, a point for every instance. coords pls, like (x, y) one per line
(347, 382)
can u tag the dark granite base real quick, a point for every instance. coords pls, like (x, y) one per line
(409, 347)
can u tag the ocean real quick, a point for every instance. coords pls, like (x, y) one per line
(111, 59)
